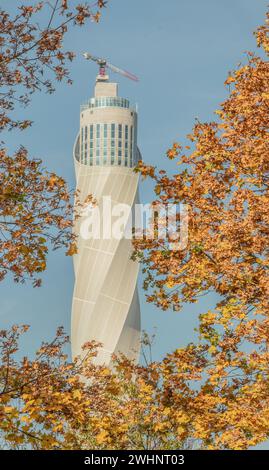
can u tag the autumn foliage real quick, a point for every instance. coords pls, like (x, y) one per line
(212, 394)
(32, 53)
(223, 177)
(195, 398)
(35, 205)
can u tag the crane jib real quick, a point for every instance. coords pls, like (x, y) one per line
(103, 64)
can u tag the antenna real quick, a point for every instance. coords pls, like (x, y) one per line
(103, 64)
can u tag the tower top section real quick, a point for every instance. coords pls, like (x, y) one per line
(108, 125)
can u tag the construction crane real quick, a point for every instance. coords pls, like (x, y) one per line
(103, 64)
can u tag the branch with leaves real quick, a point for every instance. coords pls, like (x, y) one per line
(35, 204)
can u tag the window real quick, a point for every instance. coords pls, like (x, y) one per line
(97, 144)
(119, 144)
(85, 154)
(131, 147)
(106, 101)
(112, 156)
(102, 144)
(81, 145)
(126, 153)
(119, 156)
(97, 152)
(105, 144)
(120, 131)
(126, 145)
(91, 145)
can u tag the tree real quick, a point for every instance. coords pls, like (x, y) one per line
(223, 177)
(189, 400)
(39, 397)
(224, 181)
(212, 394)
(35, 205)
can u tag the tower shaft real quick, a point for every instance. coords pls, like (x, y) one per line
(105, 300)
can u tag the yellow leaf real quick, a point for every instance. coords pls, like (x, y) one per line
(25, 419)
(230, 80)
(8, 409)
(77, 394)
(101, 437)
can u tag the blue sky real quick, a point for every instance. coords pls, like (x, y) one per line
(182, 51)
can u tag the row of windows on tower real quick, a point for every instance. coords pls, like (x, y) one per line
(111, 144)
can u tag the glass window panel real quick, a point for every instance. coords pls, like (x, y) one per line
(120, 131)
(105, 130)
(108, 101)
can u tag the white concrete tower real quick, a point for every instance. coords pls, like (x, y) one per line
(105, 299)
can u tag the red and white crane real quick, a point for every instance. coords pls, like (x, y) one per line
(103, 64)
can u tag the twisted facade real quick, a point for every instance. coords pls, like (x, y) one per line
(105, 299)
